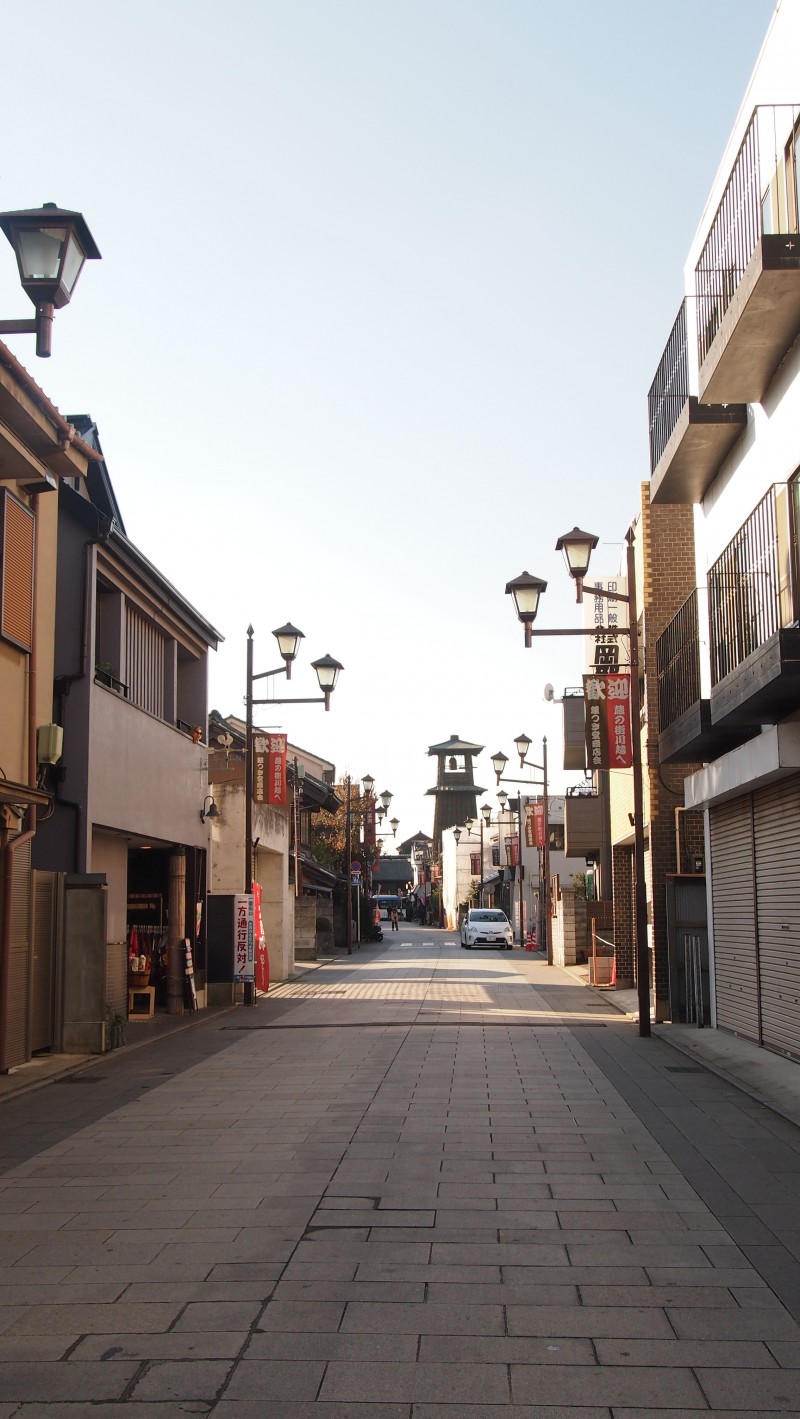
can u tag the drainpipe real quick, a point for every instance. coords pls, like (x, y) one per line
(65, 682)
(678, 811)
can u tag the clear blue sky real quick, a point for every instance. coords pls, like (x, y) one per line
(383, 289)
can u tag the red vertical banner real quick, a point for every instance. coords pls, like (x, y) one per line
(609, 737)
(369, 824)
(276, 770)
(262, 955)
(534, 825)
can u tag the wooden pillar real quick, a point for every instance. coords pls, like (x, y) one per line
(177, 932)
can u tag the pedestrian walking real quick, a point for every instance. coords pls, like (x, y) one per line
(395, 917)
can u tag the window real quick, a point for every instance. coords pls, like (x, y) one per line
(475, 864)
(144, 662)
(17, 541)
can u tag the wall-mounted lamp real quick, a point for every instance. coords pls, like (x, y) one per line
(211, 812)
(51, 245)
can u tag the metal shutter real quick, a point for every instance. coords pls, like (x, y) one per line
(735, 941)
(776, 817)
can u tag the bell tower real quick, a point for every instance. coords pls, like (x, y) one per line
(456, 791)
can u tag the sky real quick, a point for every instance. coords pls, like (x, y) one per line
(383, 289)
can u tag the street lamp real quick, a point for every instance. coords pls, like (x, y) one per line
(51, 245)
(523, 743)
(288, 638)
(577, 547)
(526, 590)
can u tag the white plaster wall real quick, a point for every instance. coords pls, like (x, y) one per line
(109, 854)
(456, 876)
(271, 829)
(144, 776)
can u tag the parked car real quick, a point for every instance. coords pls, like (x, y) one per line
(484, 926)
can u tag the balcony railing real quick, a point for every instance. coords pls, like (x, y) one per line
(751, 586)
(669, 390)
(678, 663)
(758, 199)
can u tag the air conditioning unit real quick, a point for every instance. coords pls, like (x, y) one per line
(49, 743)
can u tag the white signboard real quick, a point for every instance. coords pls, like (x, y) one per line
(244, 955)
(603, 651)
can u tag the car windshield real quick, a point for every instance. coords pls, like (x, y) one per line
(487, 916)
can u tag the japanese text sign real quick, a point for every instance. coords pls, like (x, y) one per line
(244, 960)
(609, 740)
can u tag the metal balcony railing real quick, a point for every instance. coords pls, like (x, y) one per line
(744, 588)
(678, 663)
(760, 196)
(669, 390)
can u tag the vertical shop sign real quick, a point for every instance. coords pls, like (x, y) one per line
(243, 937)
(605, 615)
(609, 739)
(260, 753)
(534, 825)
(276, 770)
(369, 825)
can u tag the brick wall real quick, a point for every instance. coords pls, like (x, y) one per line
(669, 577)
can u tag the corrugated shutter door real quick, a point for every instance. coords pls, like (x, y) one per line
(776, 812)
(735, 956)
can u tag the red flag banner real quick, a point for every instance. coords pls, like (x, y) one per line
(609, 738)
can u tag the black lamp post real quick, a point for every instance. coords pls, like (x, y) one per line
(288, 638)
(51, 245)
(499, 762)
(577, 547)
(362, 812)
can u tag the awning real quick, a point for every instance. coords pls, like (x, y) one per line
(11, 792)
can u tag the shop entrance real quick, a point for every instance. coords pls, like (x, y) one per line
(150, 882)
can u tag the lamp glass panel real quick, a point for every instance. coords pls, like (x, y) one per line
(526, 600)
(40, 253)
(287, 645)
(327, 675)
(73, 262)
(486, 814)
(499, 762)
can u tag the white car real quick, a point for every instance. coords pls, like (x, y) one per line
(484, 926)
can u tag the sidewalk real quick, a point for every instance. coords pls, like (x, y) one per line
(47, 1068)
(765, 1076)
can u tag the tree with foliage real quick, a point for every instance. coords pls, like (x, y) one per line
(329, 831)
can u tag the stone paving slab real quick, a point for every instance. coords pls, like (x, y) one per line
(410, 1221)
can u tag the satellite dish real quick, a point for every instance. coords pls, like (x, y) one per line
(225, 740)
(549, 692)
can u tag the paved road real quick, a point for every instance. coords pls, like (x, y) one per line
(419, 1183)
